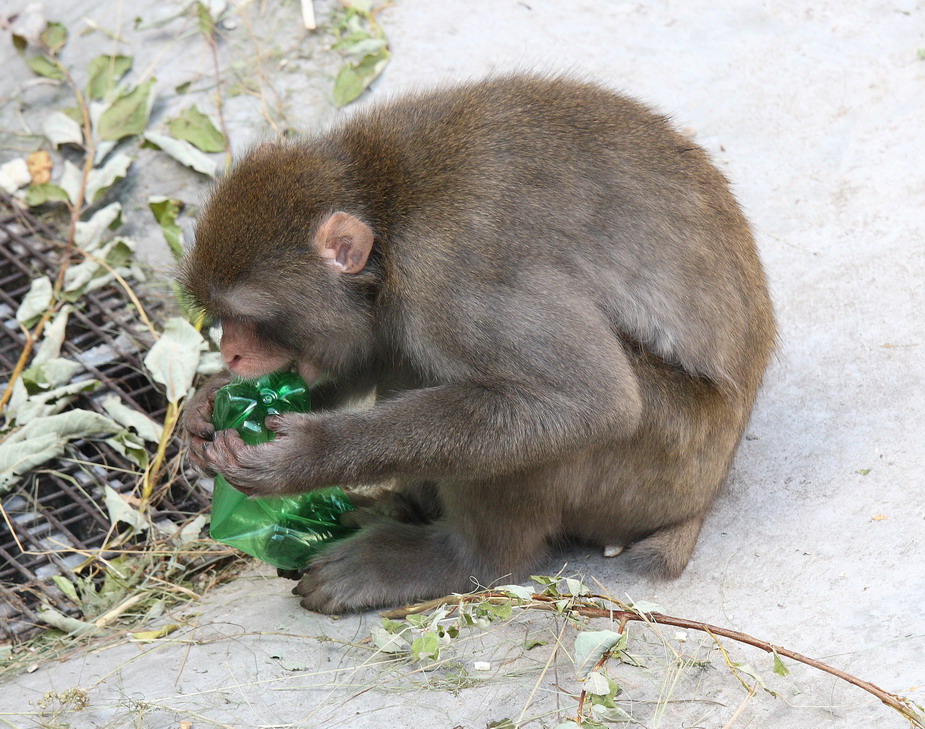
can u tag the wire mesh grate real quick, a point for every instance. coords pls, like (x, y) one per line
(58, 512)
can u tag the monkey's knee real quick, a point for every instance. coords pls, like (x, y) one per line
(666, 552)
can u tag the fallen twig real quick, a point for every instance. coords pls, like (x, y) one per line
(581, 606)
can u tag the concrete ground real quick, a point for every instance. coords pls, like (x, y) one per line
(815, 112)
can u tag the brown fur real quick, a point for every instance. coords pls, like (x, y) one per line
(563, 316)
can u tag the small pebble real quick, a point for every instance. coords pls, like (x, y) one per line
(613, 550)
(481, 666)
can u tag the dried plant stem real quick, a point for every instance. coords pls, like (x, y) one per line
(31, 337)
(76, 209)
(154, 468)
(142, 314)
(584, 692)
(548, 603)
(219, 105)
(539, 680)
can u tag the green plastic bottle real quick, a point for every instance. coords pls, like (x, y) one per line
(284, 531)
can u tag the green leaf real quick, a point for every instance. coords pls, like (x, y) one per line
(53, 337)
(347, 86)
(26, 409)
(779, 668)
(492, 611)
(131, 418)
(58, 620)
(131, 447)
(104, 72)
(532, 643)
(73, 112)
(198, 129)
(549, 584)
(647, 607)
(183, 88)
(101, 179)
(206, 22)
(500, 724)
(183, 152)
(610, 714)
(42, 439)
(121, 511)
(389, 641)
(418, 620)
(576, 587)
(518, 591)
(863, 471)
(591, 645)
(174, 357)
(71, 180)
(62, 129)
(54, 37)
(364, 7)
(51, 374)
(120, 252)
(354, 78)
(596, 683)
(89, 233)
(426, 646)
(35, 302)
(360, 47)
(44, 66)
(45, 193)
(190, 532)
(128, 114)
(67, 587)
(606, 698)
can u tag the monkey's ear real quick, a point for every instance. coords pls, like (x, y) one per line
(345, 242)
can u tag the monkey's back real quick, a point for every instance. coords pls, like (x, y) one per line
(595, 190)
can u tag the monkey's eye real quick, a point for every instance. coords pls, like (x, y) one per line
(276, 331)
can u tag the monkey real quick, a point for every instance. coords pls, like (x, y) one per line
(552, 297)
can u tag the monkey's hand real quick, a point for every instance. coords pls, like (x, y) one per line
(197, 420)
(273, 468)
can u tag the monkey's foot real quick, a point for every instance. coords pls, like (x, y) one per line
(387, 563)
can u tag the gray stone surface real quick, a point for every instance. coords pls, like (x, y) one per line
(815, 113)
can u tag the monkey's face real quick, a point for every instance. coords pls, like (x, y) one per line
(281, 272)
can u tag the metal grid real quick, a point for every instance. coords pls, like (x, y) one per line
(61, 507)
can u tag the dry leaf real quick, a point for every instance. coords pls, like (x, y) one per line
(40, 166)
(879, 517)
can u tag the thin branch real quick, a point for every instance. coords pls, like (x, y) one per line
(584, 692)
(539, 680)
(153, 470)
(219, 105)
(76, 209)
(545, 602)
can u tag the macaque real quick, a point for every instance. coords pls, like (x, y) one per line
(554, 298)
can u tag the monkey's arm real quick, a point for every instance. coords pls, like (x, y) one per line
(556, 387)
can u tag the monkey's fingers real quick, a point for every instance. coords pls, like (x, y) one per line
(283, 424)
(198, 456)
(198, 425)
(247, 468)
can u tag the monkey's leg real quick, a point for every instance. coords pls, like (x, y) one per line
(485, 535)
(666, 552)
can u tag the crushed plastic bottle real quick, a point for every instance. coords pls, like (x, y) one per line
(284, 531)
